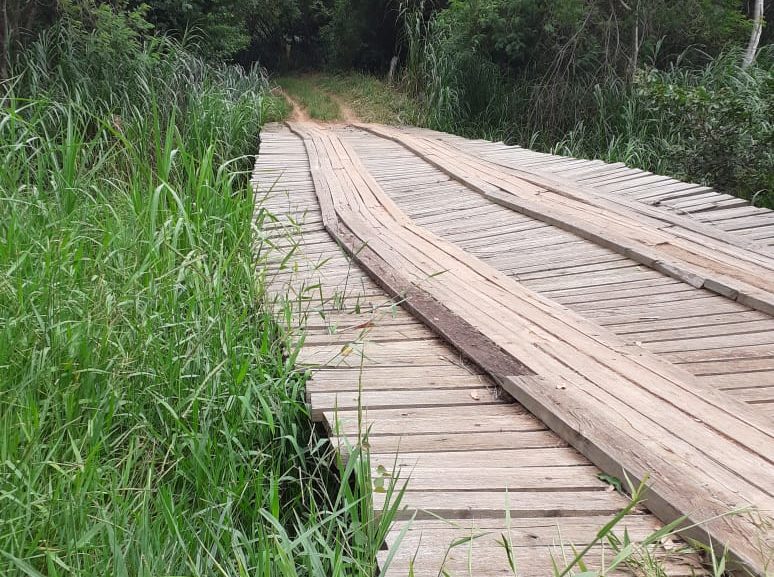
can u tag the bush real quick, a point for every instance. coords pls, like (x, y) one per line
(717, 121)
(479, 69)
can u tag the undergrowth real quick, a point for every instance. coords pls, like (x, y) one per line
(700, 118)
(371, 98)
(151, 421)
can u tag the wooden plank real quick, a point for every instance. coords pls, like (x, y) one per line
(613, 449)
(366, 196)
(687, 326)
(485, 557)
(750, 341)
(756, 394)
(463, 398)
(353, 382)
(456, 504)
(526, 532)
(446, 248)
(503, 458)
(733, 381)
(677, 256)
(462, 442)
(478, 418)
(384, 374)
(536, 480)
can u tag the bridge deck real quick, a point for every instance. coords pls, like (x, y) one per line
(641, 371)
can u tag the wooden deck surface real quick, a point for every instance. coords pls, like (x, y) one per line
(637, 336)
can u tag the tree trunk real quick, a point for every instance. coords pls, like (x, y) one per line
(755, 36)
(636, 43)
(5, 39)
(391, 73)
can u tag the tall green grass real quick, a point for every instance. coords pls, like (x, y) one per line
(151, 421)
(710, 124)
(703, 119)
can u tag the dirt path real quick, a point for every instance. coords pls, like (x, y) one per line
(347, 114)
(300, 114)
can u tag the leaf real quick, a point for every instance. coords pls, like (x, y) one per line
(623, 555)
(614, 482)
(23, 566)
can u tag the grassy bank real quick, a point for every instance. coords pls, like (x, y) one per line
(151, 422)
(370, 99)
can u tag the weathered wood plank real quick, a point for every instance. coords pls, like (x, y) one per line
(613, 225)
(368, 202)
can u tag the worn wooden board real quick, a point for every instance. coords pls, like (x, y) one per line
(686, 251)
(363, 196)
(583, 264)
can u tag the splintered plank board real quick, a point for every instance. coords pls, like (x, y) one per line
(699, 203)
(440, 419)
(560, 365)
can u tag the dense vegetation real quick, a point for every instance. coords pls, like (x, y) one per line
(658, 85)
(151, 422)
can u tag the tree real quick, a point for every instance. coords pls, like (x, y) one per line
(755, 35)
(17, 19)
(219, 25)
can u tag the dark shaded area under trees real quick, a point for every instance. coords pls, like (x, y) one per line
(364, 34)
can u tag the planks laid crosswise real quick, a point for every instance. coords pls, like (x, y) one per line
(723, 344)
(502, 358)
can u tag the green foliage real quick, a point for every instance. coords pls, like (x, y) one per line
(94, 43)
(718, 121)
(371, 99)
(360, 34)
(219, 28)
(567, 75)
(275, 108)
(317, 103)
(709, 124)
(22, 20)
(150, 420)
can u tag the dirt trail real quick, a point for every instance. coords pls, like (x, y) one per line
(300, 114)
(347, 114)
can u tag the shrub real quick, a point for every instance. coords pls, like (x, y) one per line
(718, 122)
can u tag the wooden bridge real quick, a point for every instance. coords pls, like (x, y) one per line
(505, 325)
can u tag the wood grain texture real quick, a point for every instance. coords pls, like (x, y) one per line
(488, 301)
(699, 255)
(365, 291)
